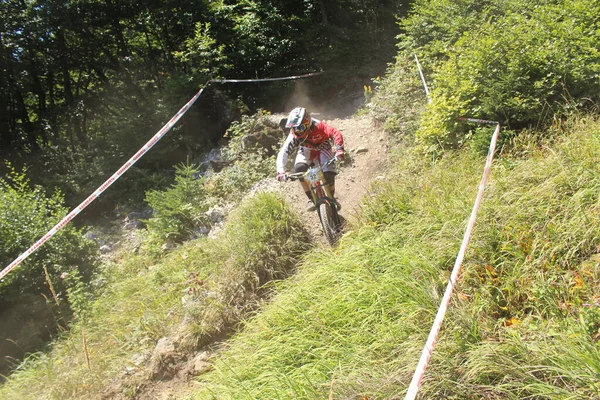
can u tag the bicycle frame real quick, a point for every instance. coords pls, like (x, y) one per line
(315, 177)
(323, 199)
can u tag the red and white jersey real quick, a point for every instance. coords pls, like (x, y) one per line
(319, 138)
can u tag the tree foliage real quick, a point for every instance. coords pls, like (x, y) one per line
(26, 214)
(86, 83)
(179, 210)
(522, 64)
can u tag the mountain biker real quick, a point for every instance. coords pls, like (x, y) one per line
(313, 139)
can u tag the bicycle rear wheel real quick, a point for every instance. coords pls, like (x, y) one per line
(330, 221)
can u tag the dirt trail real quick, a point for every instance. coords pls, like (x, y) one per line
(366, 158)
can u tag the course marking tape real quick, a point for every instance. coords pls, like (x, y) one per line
(415, 383)
(423, 80)
(159, 135)
(479, 121)
(285, 78)
(104, 186)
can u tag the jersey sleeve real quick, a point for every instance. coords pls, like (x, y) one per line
(334, 134)
(286, 149)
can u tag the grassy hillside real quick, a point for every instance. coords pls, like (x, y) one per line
(221, 282)
(294, 321)
(524, 321)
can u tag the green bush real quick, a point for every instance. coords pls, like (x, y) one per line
(520, 65)
(399, 98)
(26, 214)
(233, 182)
(179, 210)
(434, 25)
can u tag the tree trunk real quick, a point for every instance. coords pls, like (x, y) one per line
(123, 50)
(324, 19)
(23, 115)
(42, 110)
(6, 134)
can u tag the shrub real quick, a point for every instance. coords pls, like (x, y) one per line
(233, 182)
(523, 68)
(26, 214)
(399, 98)
(179, 210)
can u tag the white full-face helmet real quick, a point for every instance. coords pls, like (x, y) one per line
(299, 122)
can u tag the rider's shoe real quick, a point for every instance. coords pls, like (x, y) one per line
(310, 206)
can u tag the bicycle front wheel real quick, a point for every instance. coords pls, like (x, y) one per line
(330, 221)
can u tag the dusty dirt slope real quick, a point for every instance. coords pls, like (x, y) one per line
(366, 159)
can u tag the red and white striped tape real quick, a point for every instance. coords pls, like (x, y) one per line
(285, 78)
(102, 187)
(423, 79)
(415, 383)
(159, 135)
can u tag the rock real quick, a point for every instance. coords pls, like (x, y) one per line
(218, 165)
(216, 214)
(266, 140)
(202, 230)
(360, 150)
(137, 215)
(168, 246)
(139, 359)
(90, 236)
(201, 364)
(134, 224)
(200, 367)
(164, 360)
(133, 219)
(94, 237)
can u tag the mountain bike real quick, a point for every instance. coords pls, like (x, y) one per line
(325, 204)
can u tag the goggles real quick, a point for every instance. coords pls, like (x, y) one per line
(299, 129)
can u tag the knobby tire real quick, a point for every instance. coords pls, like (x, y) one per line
(330, 221)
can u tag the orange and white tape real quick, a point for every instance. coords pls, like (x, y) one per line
(415, 383)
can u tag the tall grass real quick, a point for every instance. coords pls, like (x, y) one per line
(351, 324)
(142, 303)
(524, 321)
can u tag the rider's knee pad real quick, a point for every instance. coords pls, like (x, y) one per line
(329, 177)
(301, 167)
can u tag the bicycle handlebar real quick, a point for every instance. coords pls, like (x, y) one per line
(297, 175)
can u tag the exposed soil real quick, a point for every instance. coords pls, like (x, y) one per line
(366, 148)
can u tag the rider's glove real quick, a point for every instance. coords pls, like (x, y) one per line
(281, 177)
(339, 155)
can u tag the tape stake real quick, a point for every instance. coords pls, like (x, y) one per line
(415, 383)
(159, 135)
